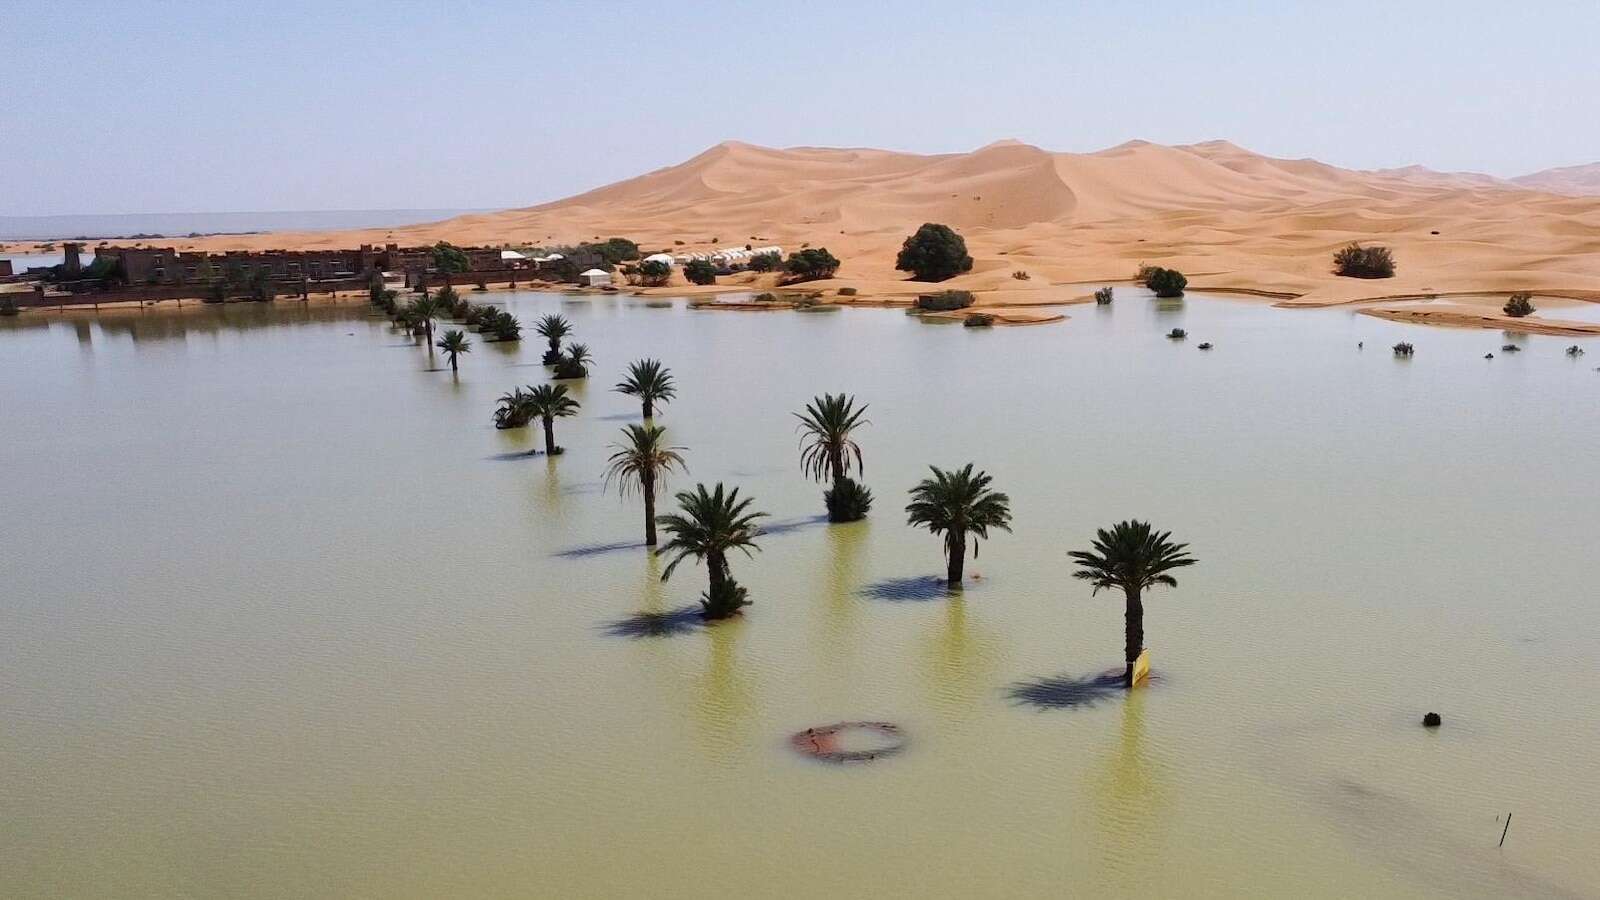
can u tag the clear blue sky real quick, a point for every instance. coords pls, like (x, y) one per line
(181, 107)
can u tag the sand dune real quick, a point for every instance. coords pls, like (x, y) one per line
(1229, 218)
(1579, 181)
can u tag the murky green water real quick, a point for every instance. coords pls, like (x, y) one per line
(284, 617)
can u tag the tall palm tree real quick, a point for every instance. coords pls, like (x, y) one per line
(553, 327)
(712, 524)
(955, 504)
(651, 382)
(1134, 557)
(550, 402)
(642, 459)
(826, 448)
(454, 343)
(423, 311)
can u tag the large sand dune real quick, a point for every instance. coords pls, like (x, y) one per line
(1229, 218)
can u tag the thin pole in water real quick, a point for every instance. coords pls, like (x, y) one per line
(1504, 830)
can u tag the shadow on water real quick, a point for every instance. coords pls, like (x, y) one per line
(621, 417)
(584, 551)
(1067, 691)
(784, 526)
(658, 624)
(915, 588)
(512, 455)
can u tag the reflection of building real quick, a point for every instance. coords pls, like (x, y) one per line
(165, 265)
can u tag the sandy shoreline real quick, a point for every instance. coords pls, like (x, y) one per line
(1045, 228)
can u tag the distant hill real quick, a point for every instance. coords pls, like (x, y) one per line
(1576, 181)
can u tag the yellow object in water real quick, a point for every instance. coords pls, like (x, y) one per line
(1141, 667)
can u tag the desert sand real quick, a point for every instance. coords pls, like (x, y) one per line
(1230, 219)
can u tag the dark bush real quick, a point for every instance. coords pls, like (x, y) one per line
(505, 326)
(847, 501)
(449, 258)
(1356, 261)
(978, 320)
(654, 273)
(1403, 348)
(723, 601)
(945, 301)
(1144, 273)
(1520, 304)
(810, 265)
(934, 253)
(1103, 296)
(1021, 275)
(766, 262)
(1177, 334)
(1574, 351)
(765, 297)
(1167, 282)
(699, 271)
(847, 292)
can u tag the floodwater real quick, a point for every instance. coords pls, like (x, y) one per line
(285, 616)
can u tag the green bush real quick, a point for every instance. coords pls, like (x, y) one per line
(1356, 261)
(1520, 304)
(723, 601)
(1144, 273)
(449, 258)
(847, 501)
(1167, 282)
(934, 253)
(700, 271)
(766, 262)
(944, 301)
(654, 273)
(812, 264)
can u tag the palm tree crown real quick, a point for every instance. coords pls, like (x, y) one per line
(641, 461)
(454, 343)
(651, 382)
(550, 401)
(955, 504)
(1131, 556)
(553, 327)
(825, 442)
(423, 311)
(711, 524)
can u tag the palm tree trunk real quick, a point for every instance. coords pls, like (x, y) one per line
(649, 409)
(549, 436)
(453, 363)
(717, 570)
(955, 548)
(648, 482)
(1134, 616)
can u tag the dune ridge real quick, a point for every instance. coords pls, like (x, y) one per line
(1231, 219)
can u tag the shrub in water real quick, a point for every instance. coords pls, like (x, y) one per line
(978, 320)
(944, 301)
(1144, 273)
(723, 600)
(1177, 334)
(847, 501)
(1167, 282)
(934, 253)
(1520, 304)
(1103, 296)
(1574, 350)
(1356, 261)
(1403, 349)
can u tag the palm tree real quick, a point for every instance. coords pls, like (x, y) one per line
(1134, 557)
(423, 310)
(954, 504)
(515, 409)
(553, 327)
(643, 459)
(711, 524)
(454, 343)
(574, 363)
(550, 402)
(826, 447)
(651, 382)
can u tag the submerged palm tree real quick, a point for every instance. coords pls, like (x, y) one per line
(550, 402)
(651, 382)
(710, 525)
(423, 310)
(642, 459)
(515, 409)
(955, 504)
(1134, 557)
(826, 448)
(574, 363)
(553, 327)
(454, 343)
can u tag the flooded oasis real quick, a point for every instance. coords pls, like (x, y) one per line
(284, 613)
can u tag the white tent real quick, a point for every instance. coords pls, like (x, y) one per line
(509, 255)
(594, 277)
(659, 257)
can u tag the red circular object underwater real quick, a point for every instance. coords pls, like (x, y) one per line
(823, 742)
